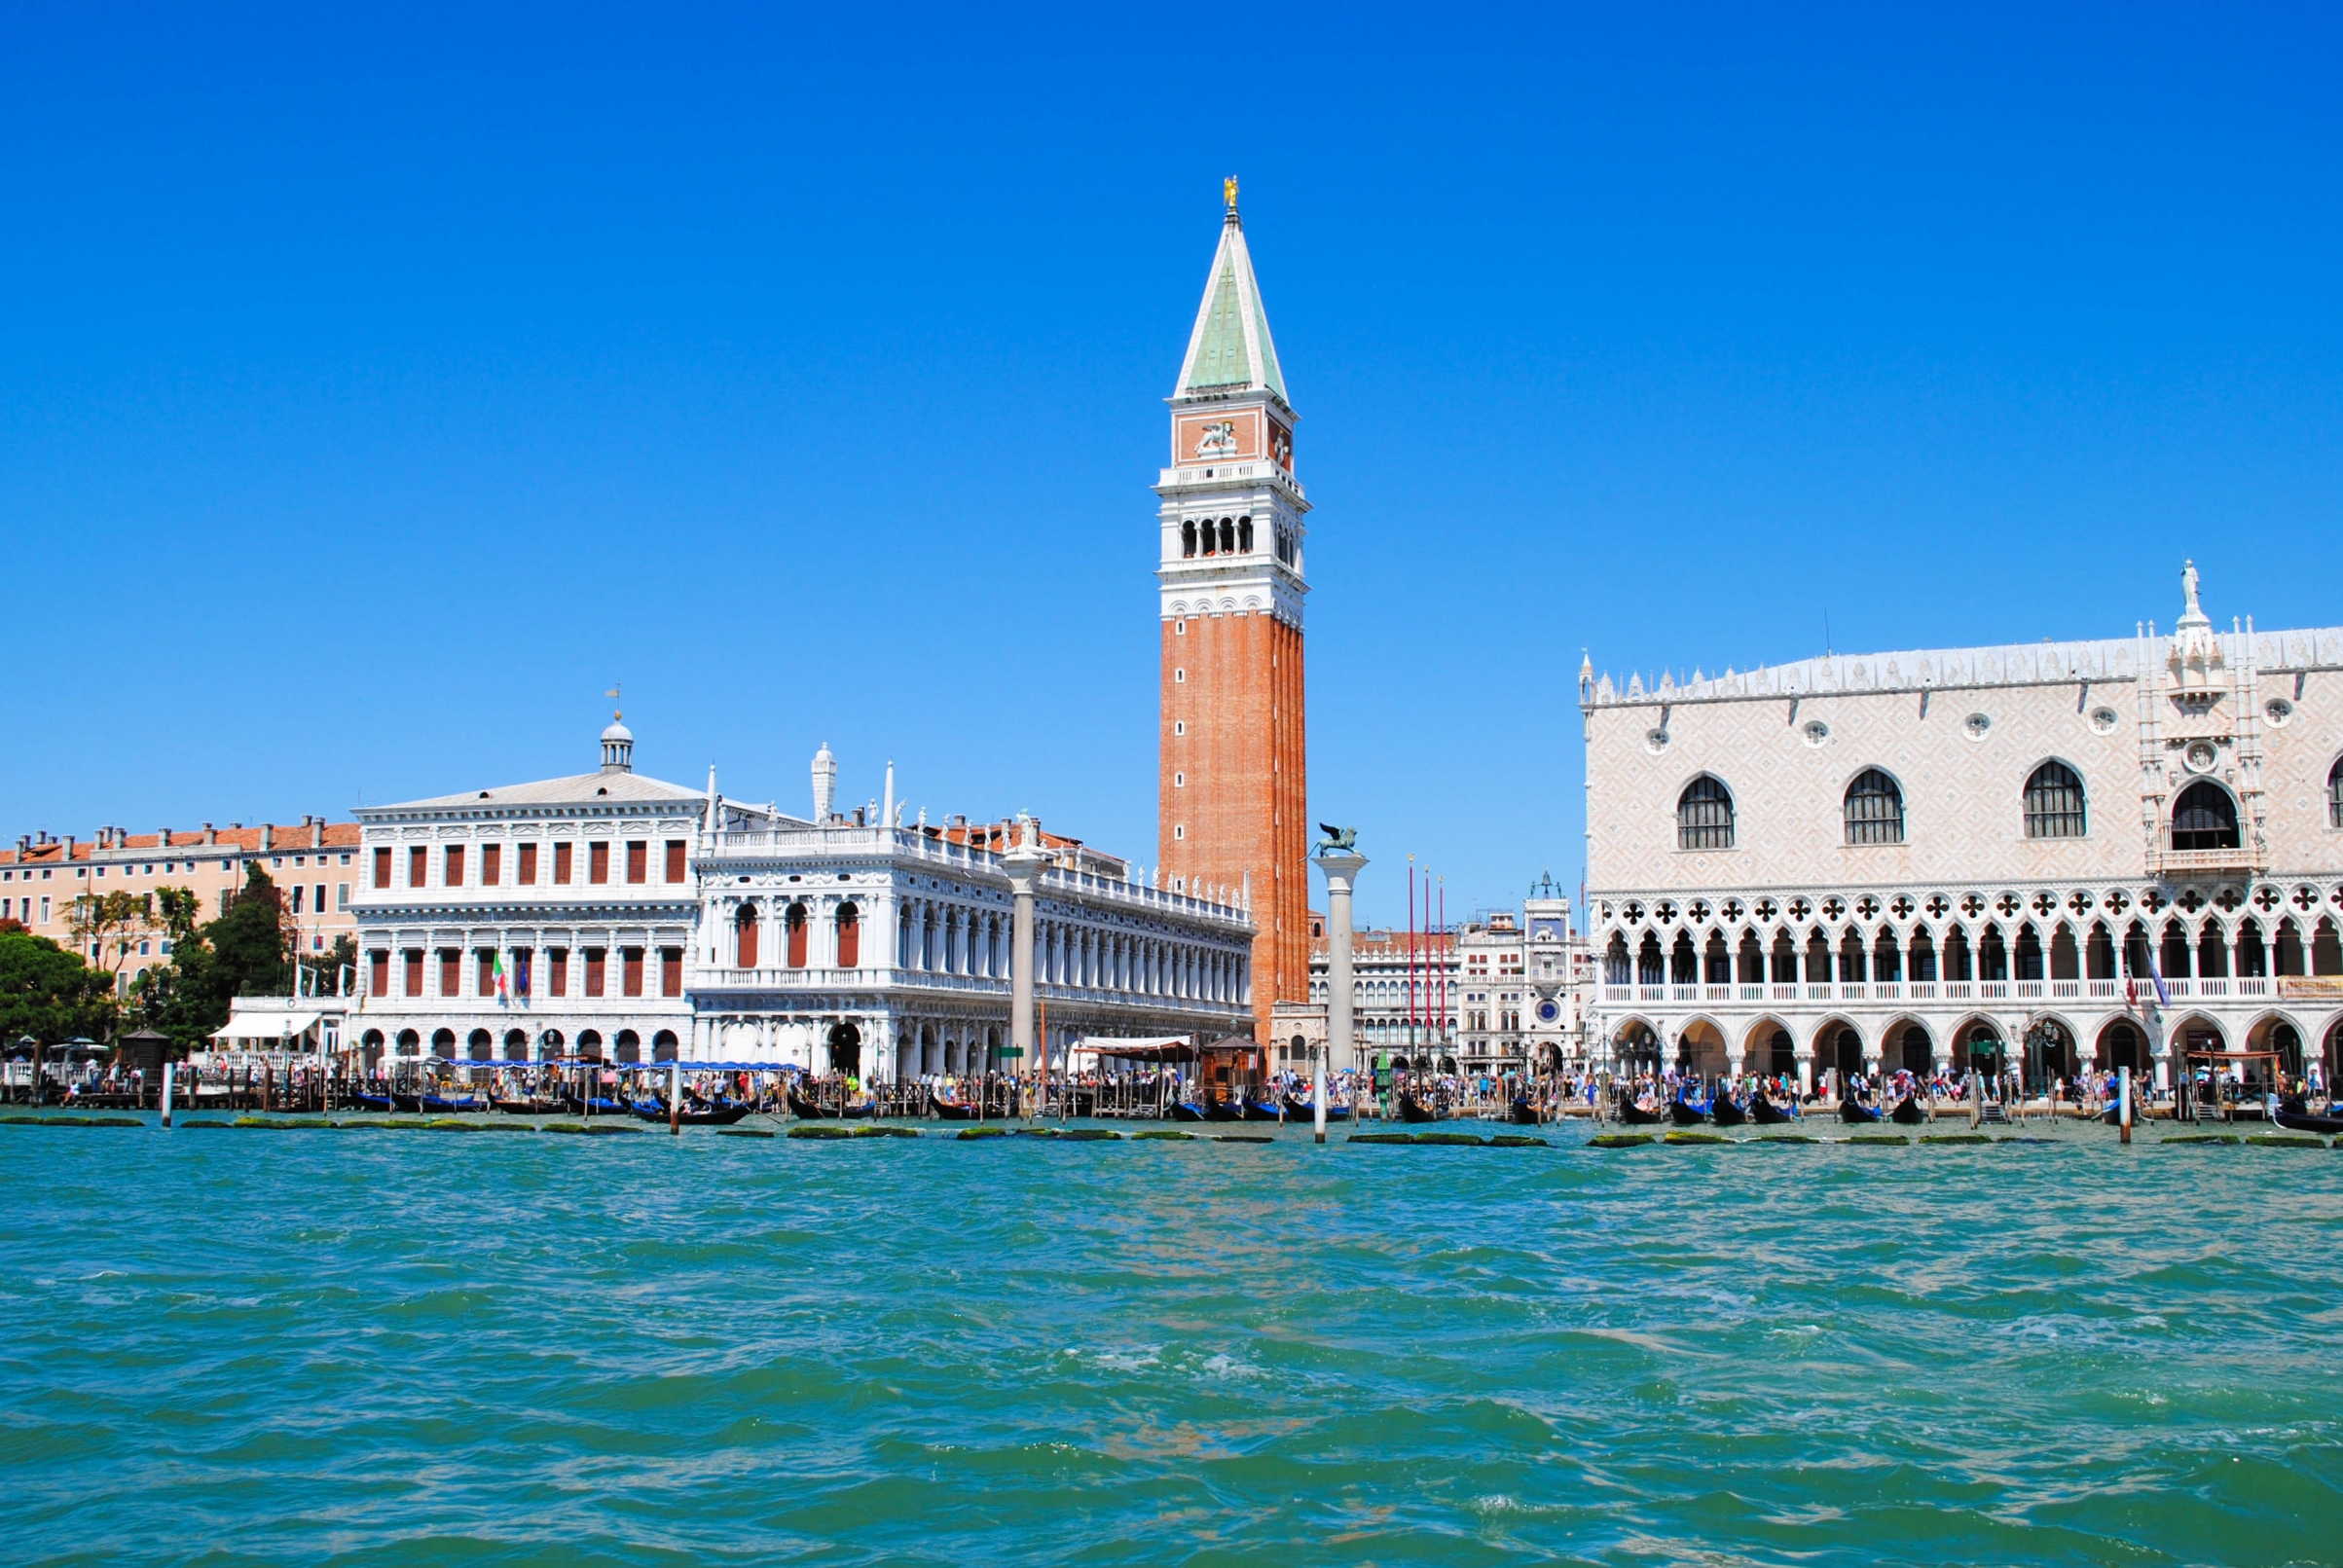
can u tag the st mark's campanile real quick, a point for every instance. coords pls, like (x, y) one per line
(1233, 788)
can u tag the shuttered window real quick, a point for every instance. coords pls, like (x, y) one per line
(560, 865)
(492, 865)
(598, 863)
(528, 868)
(639, 857)
(557, 972)
(415, 971)
(2054, 802)
(486, 974)
(419, 867)
(381, 867)
(631, 970)
(595, 959)
(671, 971)
(380, 963)
(454, 867)
(675, 859)
(451, 971)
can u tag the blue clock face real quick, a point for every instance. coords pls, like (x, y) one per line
(1547, 1012)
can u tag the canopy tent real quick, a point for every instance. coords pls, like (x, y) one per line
(1156, 1048)
(274, 1023)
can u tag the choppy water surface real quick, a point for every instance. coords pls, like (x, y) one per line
(390, 1348)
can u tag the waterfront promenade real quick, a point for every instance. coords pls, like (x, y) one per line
(312, 1346)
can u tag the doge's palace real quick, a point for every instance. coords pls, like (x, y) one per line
(2049, 856)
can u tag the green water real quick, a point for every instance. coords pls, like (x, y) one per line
(418, 1347)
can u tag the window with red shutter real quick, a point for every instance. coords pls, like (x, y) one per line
(488, 972)
(796, 935)
(638, 860)
(419, 867)
(598, 863)
(850, 937)
(529, 865)
(671, 971)
(381, 971)
(631, 969)
(381, 867)
(595, 959)
(557, 972)
(675, 859)
(454, 867)
(451, 971)
(415, 971)
(492, 865)
(560, 865)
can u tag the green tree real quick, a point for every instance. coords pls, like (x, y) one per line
(102, 920)
(248, 951)
(48, 992)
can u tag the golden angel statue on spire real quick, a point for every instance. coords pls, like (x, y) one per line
(1229, 192)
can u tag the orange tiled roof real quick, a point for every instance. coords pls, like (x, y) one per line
(287, 838)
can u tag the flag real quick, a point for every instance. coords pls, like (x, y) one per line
(2163, 996)
(497, 965)
(2130, 989)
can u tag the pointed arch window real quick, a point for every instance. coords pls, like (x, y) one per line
(2054, 802)
(1875, 808)
(2204, 818)
(2334, 795)
(1704, 816)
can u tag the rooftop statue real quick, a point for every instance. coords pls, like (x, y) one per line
(1338, 840)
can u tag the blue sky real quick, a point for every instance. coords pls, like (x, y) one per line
(376, 387)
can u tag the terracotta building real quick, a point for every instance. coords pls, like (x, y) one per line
(1233, 785)
(312, 861)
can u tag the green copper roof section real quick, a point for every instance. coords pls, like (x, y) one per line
(1220, 358)
(1231, 348)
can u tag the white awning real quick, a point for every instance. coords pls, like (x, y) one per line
(267, 1024)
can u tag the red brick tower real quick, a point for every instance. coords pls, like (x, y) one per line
(1233, 792)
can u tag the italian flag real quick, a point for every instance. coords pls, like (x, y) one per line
(497, 966)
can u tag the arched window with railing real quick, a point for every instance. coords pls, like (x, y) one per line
(2204, 818)
(2054, 802)
(1704, 816)
(1875, 808)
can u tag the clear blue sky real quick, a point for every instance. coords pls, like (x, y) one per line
(374, 390)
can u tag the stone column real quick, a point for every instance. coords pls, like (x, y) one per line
(1023, 863)
(1342, 870)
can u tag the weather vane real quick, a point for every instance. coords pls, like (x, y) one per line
(616, 715)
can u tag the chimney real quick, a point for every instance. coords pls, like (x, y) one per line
(211, 835)
(316, 832)
(163, 838)
(267, 836)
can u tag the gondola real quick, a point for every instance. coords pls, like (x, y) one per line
(1413, 1110)
(411, 1103)
(1727, 1111)
(1259, 1108)
(371, 1102)
(1186, 1111)
(442, 1104)
(523, 1108)
(1908, 1111)
(1632, 1114)
(1686, 1112)
(714, 1116)
(596, 1107)
(955, 1109)
(1850, 1111)
(2293, 1114)
(1522, 1113)
(806, 1109)
(1223, 1110)
(1299, 1109)
(1765, 1113)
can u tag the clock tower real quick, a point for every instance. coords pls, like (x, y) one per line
(1232, 793)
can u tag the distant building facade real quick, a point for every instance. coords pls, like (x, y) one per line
(1983, 856)
(312, 863)
(616, 917)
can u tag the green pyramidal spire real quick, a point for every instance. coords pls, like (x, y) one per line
(1230, 349)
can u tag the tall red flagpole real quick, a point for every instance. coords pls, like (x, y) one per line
(1410, 952)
